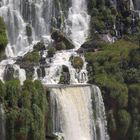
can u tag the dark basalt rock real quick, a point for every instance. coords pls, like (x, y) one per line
(40, 46)
(41, 72)
(65, 75)
(8, 73)
(29, 71)
(90, 46)
(61, 41)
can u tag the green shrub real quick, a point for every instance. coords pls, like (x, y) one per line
(39, 46)
(68, 43)
(77, 62)
(132, 75)
(42, 99)
(13, 90)
(135, 57)
(124, 120)
(32, 57)
(2, 92)
(28, 30)
(99, 25)
(30, 87)
(22, 124)
(60, 46)
(11, 117)
(134, 96)
(25, 99)
(37, 127)
(51, 51)
(3, 36)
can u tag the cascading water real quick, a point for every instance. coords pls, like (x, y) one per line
(74, 115)
(17, 15)
(100, 115)
(77, 25)
(135, 7)
(78, 22)
(131, 5)
(38, 16)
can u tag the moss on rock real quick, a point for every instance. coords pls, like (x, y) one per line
(77, 62)
(61, 41)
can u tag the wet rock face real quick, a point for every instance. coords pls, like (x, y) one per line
(41, 72)
(92, 45)
(61, 41)
(137, 4)
(65, 75)
(8, 73)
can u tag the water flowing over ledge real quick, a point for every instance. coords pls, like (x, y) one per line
(78, 112)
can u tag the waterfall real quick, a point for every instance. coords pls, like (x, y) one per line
(77, 25)
(78, 113)
(17, 15)
(40, 16)
(78, 22)
(131, 5)
(2, 123)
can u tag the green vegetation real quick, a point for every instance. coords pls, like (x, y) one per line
(28, 30)
(105, 14)
(115, 68)
(26, 108)
(3, 36)
(65, 75)
(32, 57)
(51, 51)
(61, 42)
(39, 46)
(123, 123)
(77, 62)
(60, 46)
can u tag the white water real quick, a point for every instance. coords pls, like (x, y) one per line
(131, 5)
(77, 26)
(72, 113)
(38, 14)
(78, 22)
(17, 14)
(100, 115)
(135, 6)
(75, 118)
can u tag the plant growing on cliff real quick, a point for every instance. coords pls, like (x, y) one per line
(51, 51)
(77, 62)
(13, 91)
(3, 36)
(32, 57)
(124, 120)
